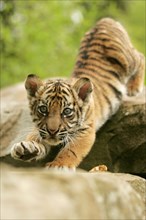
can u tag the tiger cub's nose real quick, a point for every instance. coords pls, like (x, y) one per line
(52, 131)
(53, 124)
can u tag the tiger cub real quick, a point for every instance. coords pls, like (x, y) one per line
(68, 113)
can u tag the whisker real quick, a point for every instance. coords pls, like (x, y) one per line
(43, 131)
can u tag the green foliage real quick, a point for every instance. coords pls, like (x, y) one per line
(43, 37)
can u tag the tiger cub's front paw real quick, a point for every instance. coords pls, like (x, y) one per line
(26, 150)
(54, 165)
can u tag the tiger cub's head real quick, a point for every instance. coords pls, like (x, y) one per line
(58, 108)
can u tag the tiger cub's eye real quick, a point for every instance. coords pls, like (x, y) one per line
(43, 109)
(67, 111)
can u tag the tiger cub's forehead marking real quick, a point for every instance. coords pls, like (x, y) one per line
(58, 90)
(57, 86)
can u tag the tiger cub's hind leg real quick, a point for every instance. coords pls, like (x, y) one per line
(136, 82)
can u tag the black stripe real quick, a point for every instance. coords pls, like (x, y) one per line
(90, 69)
(81, 64)
(48, 96)
(94, 71)
(39, 124)
(65, 98)
(23, 145)
(107, 37)
(100, 45)
(52, 98)
(73, 123)
(48, 91)
(115, 74)
(102, 68)
(82, 130)
(88, 39)
(35, 120)
(115, 90)
(115, 61)
(79, 73)
(78, 114)
(103, 38)
(97, 59)
(65, 92)
(73, 152)
(108, 102)
(86, 54)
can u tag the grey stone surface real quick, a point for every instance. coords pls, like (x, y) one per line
(42, 195)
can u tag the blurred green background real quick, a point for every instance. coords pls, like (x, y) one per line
(43, 37)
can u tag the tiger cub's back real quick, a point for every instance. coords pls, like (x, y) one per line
(106, 53)
(107, 57)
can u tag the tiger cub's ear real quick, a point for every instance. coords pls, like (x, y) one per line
(32, 84)
(83, 87)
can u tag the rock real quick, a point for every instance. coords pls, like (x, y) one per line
(121, 143)
(9, 117)
(42, 194)
(12, 104)
(139, 184)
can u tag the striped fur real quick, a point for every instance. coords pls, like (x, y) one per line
(70, 112)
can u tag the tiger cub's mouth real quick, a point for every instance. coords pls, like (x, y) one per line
(53, 140)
